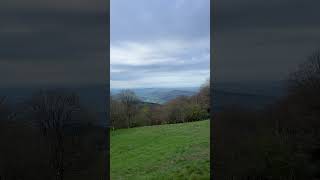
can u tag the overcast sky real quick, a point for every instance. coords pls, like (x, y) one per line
(154, 42)
(53, 42)
(259, 40)
(159, 43)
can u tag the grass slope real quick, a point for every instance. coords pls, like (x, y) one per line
(173, 151)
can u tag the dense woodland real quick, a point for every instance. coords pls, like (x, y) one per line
(282, 141)
(128, 111)
(50, 136)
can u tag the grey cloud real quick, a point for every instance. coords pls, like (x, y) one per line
(132, 73)
(56, 5)
(231, 14)
(263, 40)
(146, 19)
(53, 42)
(159, 43)
(55, 36)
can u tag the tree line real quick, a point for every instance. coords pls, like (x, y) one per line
(281, 141)
(50, 136)
(127, 110)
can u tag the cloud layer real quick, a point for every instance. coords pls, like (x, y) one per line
(53, 42)
(150, 48)
(259, 40)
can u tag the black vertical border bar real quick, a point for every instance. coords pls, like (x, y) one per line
(107, 159)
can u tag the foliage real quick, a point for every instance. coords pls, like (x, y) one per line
(50, 136)
(278, 142)
(128, 111)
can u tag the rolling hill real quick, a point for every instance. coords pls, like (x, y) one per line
(159, 95)
(172, 151)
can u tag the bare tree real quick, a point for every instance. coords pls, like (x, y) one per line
(307, 77)
(51, 134)
(53, 112)
(2, 100)
(299, 111)
(117, 114)
(113, 114)
(158, 115)
(204, 95)
(129, 101)
(3, 109)
(303, 90)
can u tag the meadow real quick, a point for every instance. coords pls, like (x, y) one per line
(171, 151)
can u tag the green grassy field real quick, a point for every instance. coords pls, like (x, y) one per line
(173, 151)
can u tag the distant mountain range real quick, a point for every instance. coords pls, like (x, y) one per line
(160, 95)
(246, 95)
(250, 95)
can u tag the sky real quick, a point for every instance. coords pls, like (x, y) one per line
(159, 43)
(263, 41)
(154, 42)
(53, 43)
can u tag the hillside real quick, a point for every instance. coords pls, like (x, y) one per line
(172, 151)
(159, 95)
(247, 95)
